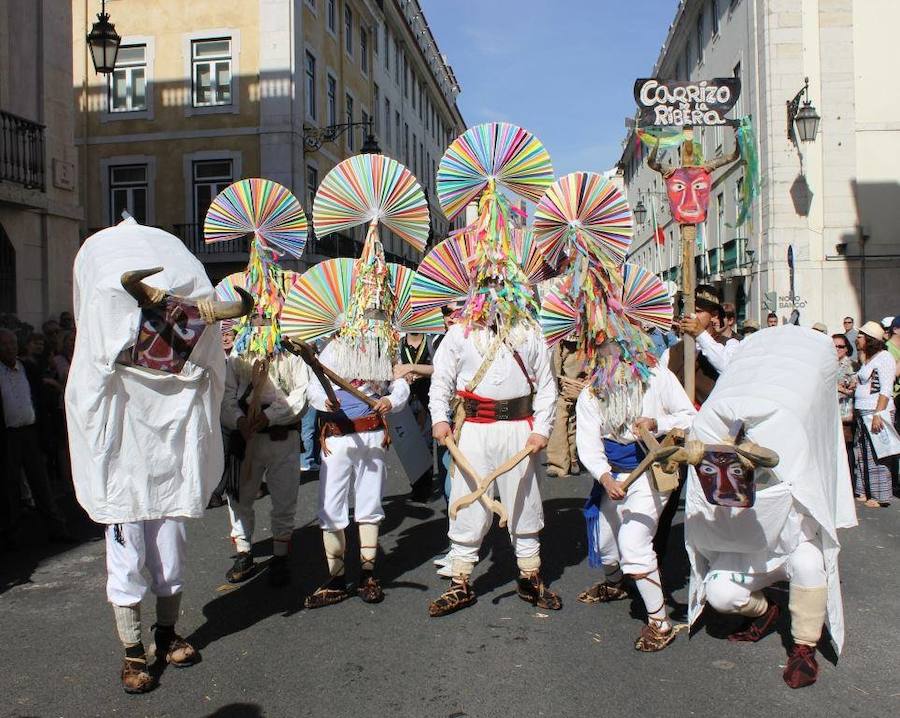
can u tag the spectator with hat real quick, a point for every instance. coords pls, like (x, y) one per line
(820, 327)
(717, 348)
(749, 327)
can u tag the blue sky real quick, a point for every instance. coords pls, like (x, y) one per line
(563, 69)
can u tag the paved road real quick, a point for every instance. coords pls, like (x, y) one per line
(266, 656)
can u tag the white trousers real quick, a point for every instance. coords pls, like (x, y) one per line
(729, 591)
(627, 527)
(354, 461)
(157, 545)
(280, 462)
(487, 446)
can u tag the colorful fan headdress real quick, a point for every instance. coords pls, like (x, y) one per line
(276, 224)
(477, 165)
(371, 189)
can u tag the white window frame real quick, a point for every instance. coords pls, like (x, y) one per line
(122, 160)
(348, 36)
(310, 164)
(331, 75)
(364, 63)
(149, 44)
(187, 47)
(331, 13)
(349, 143)
(187, 167)
(311, 116)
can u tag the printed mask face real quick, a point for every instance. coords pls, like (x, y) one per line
(168, 334)
(688, 190)
(725, 481)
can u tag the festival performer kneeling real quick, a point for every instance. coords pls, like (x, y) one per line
(497, 366)
(142, 405)
(749, 526)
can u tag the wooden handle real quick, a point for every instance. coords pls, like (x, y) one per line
(323, 374)
(660, 454)
(484, 484)
(463, 463)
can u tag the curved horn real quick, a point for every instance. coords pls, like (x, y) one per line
(143, 293)
(653, 162)
(757, 455)
(213, 311)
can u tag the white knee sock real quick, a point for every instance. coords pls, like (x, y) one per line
(756, 605)
(808, 607)
(167, 610)
(650, 588)
(368, 546)
(335, 546)
(128, 623)
(529, 564)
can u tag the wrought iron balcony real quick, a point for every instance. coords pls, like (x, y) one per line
(192, 236)
(21, 151)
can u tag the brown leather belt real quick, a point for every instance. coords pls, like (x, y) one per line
(498, 410)
(338, 426)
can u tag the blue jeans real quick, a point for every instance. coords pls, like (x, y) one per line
(309, 457)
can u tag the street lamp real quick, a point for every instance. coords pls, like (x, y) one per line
(104, 42)
(640, 212)
(315, 137)
(806, 118)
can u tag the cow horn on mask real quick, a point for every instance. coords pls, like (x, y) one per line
(210, 310)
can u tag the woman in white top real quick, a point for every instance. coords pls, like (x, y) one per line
(875, 380)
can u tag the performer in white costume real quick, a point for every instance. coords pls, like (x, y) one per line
(142, 405)
(609, 418)
(782, 384)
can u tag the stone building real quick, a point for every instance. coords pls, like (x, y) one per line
(823, 235)
(39, 209)
(207, 92)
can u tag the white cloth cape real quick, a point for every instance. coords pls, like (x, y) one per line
(782, 382)
(144, 445)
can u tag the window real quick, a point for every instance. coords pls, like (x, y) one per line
(310, 85)
(421, 102)
(413, 90)
(348, 105)
(209, 178)
(387, 49)
(415, 164)
(376, 33)
(376, 103)
(364, 51)
(406, 143)
(687, 58)
(714, 11)
(311, 3)
(127, 83)
(405, 77)
(312, 183)
(700, 37)
(421, 159)
(397, 126)
(364, 118)
(396, 61)
(211, 72)
(332, 100)
(738, 110)
(128, 189)
(348, 30)
(387, 120)
(720, 218)
(330, 15)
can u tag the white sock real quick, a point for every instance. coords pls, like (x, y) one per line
(650, 588)
(128, 623)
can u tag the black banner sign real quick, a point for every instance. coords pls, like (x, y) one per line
(673, 102)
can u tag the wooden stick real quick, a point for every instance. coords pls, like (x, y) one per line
(319, 369)
(259, 372)
(464, 465)
(485, 483)
(660, 454)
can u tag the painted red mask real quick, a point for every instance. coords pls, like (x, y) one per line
(725, 480)
(688, 190)
(168, 334)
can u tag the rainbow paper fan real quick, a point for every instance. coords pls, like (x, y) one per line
(406, 317)
(445, 274)
(368, 187)
(315, 304)
(529, 257)
(557, 316)
(262, 208)
(583, 212)
(645, 299)
(514, 158)
(225, 289)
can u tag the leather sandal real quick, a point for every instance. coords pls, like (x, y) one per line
(652, 639)
(757, 628)
(370, 589)
(136, 678)
(331, 593)
(531, 589)
(458, 596)
(801, 669)
(174, 649)
(603, 592)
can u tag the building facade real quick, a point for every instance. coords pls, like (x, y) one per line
(206, 93)
(822, 237)
(39, 208)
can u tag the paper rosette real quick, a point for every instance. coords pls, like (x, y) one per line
(513, 157)
(372, 187)
(262, 208)
(586, 213)
(530, 258)
(225, 289)
(557, 316)
(645, 299)
(315, 304)
(408, 318)
(445, 274)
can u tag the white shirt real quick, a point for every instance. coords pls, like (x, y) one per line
(283, 395)
(18, 410)
(719, 355)
(459, 356)
(664, 400)
(875, 378)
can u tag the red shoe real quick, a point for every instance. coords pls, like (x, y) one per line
(801, 669)
(759, 627)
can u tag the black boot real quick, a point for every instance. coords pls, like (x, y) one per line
(242, 569)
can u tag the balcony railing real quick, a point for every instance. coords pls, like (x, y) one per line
(21, 151)
(192, 236)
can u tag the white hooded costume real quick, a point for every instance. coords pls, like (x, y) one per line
(782, 383)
